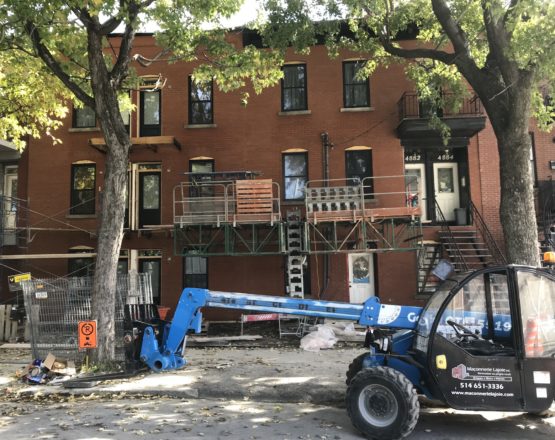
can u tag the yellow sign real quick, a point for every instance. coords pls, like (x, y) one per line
(19, 278)
(441, 362)
(87, 334)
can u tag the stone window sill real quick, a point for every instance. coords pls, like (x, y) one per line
(295, 113)
(356, 109)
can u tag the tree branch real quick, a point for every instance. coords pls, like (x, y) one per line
(434, 54)
(455, 33)
(119, 71)
(498, 42)
(55, 66)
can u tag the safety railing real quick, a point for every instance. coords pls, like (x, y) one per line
(372, 198)
(411, 107)
(483, 230)
(216, 203)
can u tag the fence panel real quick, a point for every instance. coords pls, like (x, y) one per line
(55, 307)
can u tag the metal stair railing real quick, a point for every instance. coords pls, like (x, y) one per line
(452, 243)
(483, 230)
(547, 200)
(421, 264)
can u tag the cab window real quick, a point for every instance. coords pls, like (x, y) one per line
(537, 307)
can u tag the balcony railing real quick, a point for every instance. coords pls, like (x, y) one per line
(410, 107)
(373, 199)
(216, 203)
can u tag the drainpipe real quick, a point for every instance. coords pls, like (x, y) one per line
(326, 145)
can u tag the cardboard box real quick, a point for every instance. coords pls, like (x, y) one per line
(59, 366)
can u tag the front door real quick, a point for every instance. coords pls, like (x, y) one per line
(415, 177)
(361, 277)
(446, 188)
(10, 209)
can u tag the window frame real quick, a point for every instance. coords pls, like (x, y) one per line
(283, 156)
(76, 110)
(74, 193)
(192, 82)
(354, 84)
(533, 161)
(193, 275)
(146, 130)
(305, 87)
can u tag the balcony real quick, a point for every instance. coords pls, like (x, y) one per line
(226, 202)
(373, 199)
(463, 122)
(377, 213)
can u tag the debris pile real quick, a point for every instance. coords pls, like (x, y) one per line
(51, 370)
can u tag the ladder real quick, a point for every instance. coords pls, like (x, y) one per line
(295, 286)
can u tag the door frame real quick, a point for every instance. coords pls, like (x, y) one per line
(423, 197)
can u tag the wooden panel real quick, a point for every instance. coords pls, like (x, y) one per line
(254, 196)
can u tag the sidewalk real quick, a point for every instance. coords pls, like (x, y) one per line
(262, 374)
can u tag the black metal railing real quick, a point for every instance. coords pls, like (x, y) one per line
(483, 230)
(455, 251)
(410, 107)
(546, 206)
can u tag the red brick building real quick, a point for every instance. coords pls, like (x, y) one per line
(217, 190)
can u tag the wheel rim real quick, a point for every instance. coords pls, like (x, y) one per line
(377, 405)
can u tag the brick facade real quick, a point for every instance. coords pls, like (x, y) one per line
(251, 137)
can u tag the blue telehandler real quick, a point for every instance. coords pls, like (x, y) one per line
(484, 341)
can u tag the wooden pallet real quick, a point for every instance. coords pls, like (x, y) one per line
(254, 199)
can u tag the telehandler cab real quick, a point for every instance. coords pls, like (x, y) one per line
(484, 341)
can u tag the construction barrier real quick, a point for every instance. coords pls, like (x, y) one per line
(532, 343)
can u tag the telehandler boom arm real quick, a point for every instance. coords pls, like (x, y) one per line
(167, 353)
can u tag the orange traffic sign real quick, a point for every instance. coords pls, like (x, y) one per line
(87, 334)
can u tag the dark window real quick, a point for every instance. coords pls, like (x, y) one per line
(201, 173)
(196, 272)
(295, 175)
(356, 92)
(201, 105)
(149, 194)
(293, 88)
(358, 166)
(83, 117)
(80, 267)
(150, 113)
(83, 182)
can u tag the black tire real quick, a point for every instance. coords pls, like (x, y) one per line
(355, 367)
(382, 404)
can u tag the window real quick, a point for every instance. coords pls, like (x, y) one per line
(201, 105)
(83, 183)
(358, 169)
(293, 88)
(80, 266)
(356, 92)
(150, 113)
(533, 160)
(196, 272)
(144, 195)
(201, 173)
(295, 175)
(150, 261)
(83, 117)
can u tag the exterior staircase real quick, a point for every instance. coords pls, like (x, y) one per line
(465, 249)
(428, 257)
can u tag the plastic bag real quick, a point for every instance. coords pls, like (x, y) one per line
(323, 338)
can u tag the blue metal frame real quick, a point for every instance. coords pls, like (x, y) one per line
(168, 353)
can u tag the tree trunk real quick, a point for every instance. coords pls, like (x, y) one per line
(112, 215)
(517, 211)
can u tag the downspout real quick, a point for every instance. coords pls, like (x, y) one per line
(326, 145)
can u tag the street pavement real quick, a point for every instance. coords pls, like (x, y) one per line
(226, 393)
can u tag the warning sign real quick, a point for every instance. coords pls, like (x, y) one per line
(87, 334)
(14, 281)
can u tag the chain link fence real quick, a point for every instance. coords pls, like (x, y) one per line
(55, 306)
